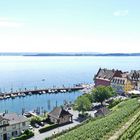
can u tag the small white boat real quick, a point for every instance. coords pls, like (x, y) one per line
(30, 93)
(23, 94)
(43, 92)
(13, 96)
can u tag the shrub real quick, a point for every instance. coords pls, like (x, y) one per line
(26, 135)
(35, 120)
(53, 126)
(114, 103)
(47, 128)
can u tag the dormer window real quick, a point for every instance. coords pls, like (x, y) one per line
(4, 122)
(4, 128)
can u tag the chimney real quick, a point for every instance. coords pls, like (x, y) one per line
(3, 114)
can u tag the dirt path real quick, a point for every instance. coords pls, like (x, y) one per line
(123, 128)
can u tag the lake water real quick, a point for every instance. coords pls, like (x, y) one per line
(29, 72)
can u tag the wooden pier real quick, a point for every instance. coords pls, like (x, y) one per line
(39, 91)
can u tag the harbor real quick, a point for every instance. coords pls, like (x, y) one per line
(41, 91)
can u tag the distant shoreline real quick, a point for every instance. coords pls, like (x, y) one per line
(69, 54)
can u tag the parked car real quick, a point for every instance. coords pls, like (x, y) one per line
(30, 127)
(41, 123)
(69, 108)
(36, 125)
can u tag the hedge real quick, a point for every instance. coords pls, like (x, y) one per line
(26, 135)
(50, 127)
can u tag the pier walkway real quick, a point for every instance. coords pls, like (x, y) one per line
(40, 91)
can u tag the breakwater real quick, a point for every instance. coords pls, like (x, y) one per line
(40, 91)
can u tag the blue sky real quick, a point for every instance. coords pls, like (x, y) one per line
(69, 26)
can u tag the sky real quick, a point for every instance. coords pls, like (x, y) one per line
(70, 26)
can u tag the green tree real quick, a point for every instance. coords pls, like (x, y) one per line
(35, 119)
(101, 93)
(89, 96)
(82, 104)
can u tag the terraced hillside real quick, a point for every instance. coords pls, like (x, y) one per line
(133, 132)
(98, 129)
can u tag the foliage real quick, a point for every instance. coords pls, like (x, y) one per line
(89, 96)
(97, 129)
(114, 103)
(134, 96)
(36, 119)
(101, 93)
(52, 126)
(83, 104)
(26, 135)
(133, 132)
(47, 128)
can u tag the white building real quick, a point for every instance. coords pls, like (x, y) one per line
(11, 125)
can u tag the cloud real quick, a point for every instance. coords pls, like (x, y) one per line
(121, 13)
(9, 23)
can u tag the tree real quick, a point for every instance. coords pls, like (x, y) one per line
(101, 93)
(82, 104)
(89, 96)
(35, 119)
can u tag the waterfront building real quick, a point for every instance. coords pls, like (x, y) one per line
(104, 76)
(60, 116)
(122, 84)
(11, 125)
(135, 78)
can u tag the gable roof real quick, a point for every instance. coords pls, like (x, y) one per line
(2, 117)
(14, 118)
(58, 112)
(135, 75)
(105, 74)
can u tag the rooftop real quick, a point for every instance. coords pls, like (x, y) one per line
(13, 118)
(58, 112)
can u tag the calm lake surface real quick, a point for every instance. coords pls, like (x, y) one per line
(42, 72)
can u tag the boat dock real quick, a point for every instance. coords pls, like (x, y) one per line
(40, 91)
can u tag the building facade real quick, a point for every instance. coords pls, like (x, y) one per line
(134, 76)
(104, 76)
(60, 116)
(121, 84)
(11, 125)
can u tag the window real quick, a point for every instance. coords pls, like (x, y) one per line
(4, 128)
(4, 122)
(14, 126)
(23, 124)
(14, 133)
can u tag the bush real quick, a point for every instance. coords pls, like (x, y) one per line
(35, 120)
(114, 103)
(53, 126)
(47, 128)
(134, 96)
(26, 135)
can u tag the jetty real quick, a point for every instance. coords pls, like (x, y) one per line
(40, 91)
